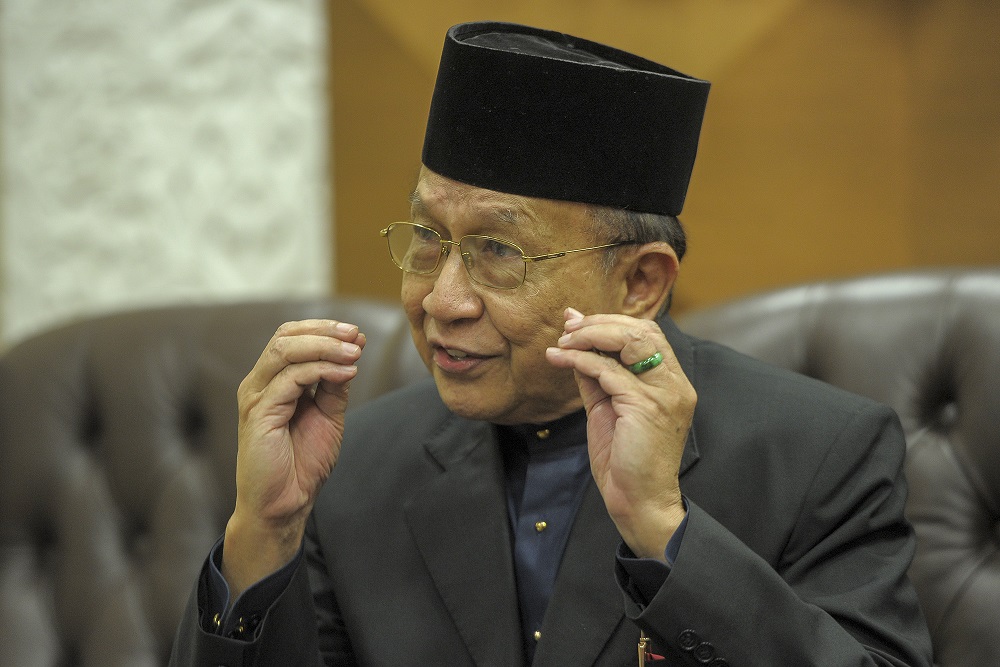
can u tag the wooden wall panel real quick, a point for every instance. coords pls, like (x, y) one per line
(842, 137)
(379, 107)
(955, 211)
(802, 171)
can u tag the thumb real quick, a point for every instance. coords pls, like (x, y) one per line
(590, 391)
(331, 397)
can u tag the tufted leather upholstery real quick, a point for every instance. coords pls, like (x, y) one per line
(117, 452)
(927, 344)
(117, 447)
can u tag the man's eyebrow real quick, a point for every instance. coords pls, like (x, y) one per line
(505, 214)
(416, 203)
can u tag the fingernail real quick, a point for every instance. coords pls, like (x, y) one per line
(351, 348)
(344, 327)
(563, 339)
(574, 314)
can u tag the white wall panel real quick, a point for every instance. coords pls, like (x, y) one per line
(159, 151)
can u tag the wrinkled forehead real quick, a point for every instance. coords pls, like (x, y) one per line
(448, 202)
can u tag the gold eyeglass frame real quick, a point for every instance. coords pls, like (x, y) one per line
(446, 249)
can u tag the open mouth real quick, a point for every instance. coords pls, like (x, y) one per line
(455, 360)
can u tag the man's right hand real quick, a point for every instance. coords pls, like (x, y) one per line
(291, 412)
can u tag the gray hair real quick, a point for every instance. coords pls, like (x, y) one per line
(615, 224)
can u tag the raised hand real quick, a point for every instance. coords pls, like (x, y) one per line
(637, 424)
(291, 410)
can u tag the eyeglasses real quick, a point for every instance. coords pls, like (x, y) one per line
(490, 261)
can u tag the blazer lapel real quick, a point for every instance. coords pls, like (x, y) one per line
(460, 525)
(684, 351)
(586, 606)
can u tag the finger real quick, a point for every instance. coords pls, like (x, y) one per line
(629, 340)
(612, 374)
(331, 329)
(343, 330)
(574, 319)
(287, 349)
(278, 399)
(613, 378)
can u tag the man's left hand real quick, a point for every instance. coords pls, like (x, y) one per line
(637, 424)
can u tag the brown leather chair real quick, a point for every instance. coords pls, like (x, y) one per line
(928, 344)
(117, 447)
(117, 459)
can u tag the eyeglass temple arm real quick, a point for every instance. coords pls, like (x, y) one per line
(539, 258)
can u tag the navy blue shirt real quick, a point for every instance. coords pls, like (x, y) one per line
(547, 469)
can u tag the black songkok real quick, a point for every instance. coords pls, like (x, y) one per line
(543, 114)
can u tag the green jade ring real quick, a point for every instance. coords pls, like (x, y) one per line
(646, 364)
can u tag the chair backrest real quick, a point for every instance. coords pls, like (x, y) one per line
(928, 344)
(117, 458)
(117, 447)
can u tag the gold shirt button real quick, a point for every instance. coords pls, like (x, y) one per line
(540, 526)
(543, 434)
(538, 635)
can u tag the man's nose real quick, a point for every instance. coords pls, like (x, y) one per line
(454, 295)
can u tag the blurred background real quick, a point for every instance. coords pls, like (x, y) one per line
(205, 150)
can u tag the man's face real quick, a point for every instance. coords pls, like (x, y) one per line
(485, 346)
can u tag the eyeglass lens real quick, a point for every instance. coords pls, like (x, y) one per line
(414, 249)
(489, 261)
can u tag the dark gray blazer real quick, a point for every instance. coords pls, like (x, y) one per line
(795, 552)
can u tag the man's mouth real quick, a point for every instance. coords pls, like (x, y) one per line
(454, 360)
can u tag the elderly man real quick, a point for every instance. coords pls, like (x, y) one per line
(554, 496)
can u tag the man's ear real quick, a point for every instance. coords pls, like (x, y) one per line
(649, 272)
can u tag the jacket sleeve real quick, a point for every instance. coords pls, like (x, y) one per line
(290, 632)
(838, 594)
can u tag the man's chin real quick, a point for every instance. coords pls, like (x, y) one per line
(481, 402)
(466, 400)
